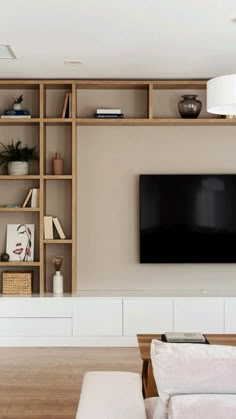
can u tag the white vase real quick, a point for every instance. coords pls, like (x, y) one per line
(58, 283)
(18, 168)
(17, 106)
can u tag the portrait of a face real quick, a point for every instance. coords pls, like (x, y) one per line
(20, 242)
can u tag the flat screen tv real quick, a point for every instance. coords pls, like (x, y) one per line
(187, 218)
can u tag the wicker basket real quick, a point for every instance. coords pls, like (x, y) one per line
(18, 283)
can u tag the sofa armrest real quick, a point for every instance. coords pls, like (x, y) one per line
(111, 395)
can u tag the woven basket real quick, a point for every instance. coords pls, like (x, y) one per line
(18, 283)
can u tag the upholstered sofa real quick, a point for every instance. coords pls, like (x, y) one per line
(193, 381)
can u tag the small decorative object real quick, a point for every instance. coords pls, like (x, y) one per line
(5, 257)
(20, 242)
(57, 277)
(189, 107)
(58, 165)
(15, 159)
(17, 103)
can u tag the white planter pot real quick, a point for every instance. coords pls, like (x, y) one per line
(17, 106)
(18, 168)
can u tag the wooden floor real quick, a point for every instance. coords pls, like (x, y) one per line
(45, 383)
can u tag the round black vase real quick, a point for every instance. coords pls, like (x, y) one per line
(189, 107)
(5, 257)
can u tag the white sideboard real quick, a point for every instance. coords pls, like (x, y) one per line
(108, 321)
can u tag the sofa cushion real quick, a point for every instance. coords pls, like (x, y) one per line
(111, 395)
(190, 369)
(150, 406)
(207, 406)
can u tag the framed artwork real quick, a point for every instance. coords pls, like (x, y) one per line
(20, 242)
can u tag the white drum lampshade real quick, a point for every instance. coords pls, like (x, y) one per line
(221, 95)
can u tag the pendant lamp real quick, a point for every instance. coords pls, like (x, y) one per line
(221, 95)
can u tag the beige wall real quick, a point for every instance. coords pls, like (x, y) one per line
(109, 162)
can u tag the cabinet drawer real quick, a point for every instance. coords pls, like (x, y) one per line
(97, 317)
(230, 315)
(35, 327)
(147, 315)
(35, 307)
(205, 315)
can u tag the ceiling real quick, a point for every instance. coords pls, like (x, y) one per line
(137, 39)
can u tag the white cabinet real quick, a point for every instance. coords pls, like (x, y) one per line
(97, 317)
(147, 315)
(230, 315)
(204, 315)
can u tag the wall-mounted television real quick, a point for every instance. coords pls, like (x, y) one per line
(187, 218)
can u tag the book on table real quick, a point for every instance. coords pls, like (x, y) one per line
(185, 337)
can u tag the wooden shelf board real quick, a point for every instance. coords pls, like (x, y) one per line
(19, 121)
(179, 84)
(112, 84)
(16, 263)
(57, 177)
(56, 121)
(25, 177)
(156, 121)
(58, 241)
(28, 209)
(19, 84)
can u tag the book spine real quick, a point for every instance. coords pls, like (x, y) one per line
(27, 198)
(106, 111)
(59, 228)
(15, 116)
(19, 112)
(35, 198)
(111, 115)
(48, 227)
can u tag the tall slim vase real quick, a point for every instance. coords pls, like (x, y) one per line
(58, 283)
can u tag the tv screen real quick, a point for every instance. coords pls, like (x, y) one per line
(187, 218)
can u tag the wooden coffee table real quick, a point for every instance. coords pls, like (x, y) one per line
(144, 343)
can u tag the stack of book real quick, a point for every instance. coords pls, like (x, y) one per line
(108, 113)
(11, 113)
(49, 222)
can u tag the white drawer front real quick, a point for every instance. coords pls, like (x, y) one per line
(147, 315)
(204, 315)
(97, 317)
(230, 315)
(36, 327)
(35, 307)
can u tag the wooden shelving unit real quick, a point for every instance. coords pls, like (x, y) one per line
(45, 100)
(50, 132)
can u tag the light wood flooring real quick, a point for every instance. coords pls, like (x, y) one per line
(45, 383)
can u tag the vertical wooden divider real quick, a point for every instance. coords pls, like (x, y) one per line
(74, 190)
(150, 101)
(42, 108)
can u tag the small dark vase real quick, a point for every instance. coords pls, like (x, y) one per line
(189, 107)
(5, 257)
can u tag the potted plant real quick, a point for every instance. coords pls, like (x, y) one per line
(17, 103)
(14, 158)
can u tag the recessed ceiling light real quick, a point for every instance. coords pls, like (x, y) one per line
(73, 62)
(6, 53)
